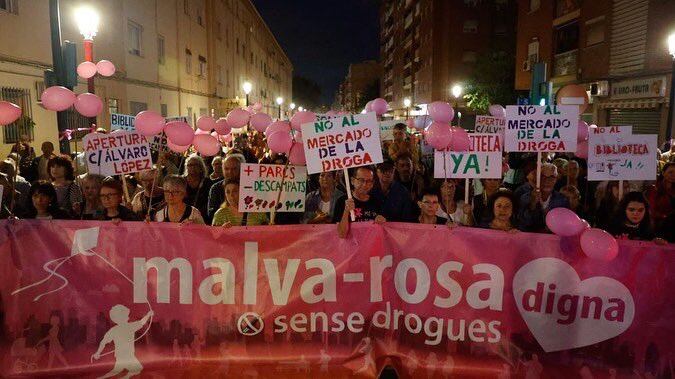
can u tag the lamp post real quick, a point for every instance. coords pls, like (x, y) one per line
(247, 87)
(280, 100)
(87, 21)
(457, 92)
(406, 104)
(671, 104)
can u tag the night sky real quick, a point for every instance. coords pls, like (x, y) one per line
(323, 37)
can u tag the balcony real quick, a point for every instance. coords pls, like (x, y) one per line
(565, 63)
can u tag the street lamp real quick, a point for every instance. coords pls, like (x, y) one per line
(301, 109)
(671, 50)
(457, 92)
(406, 104)
(247, 86)
(87, 21)
(280, 100)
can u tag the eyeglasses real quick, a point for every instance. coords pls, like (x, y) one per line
(366, 181)
(108, 196)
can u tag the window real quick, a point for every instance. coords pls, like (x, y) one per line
(470, 26)
(534, 5)
(164, 110)
(220, 74)
(595, 31)
(161, 55)
(113, 106)
(11, 6)
(566, 38)
(137, 107)
(24, 125)
(202, 66)
(188, 61)
(135, 38)
(564, 7)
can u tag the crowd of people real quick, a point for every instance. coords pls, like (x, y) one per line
(193, 189)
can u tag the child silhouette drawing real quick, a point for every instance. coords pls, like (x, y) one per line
(122, 336)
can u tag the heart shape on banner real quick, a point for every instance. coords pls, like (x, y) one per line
(564, 312)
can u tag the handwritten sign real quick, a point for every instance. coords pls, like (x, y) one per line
(483, 160)
(116, 153)
(621, 157)
(489, 124)
(614, 130)
(121, 122)
(342, 142)
(536, 128)
(260, 185)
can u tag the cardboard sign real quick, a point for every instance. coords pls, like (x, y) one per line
(117, 153)
(121, 122)
(489, 124)
(342, 142)
(260, 185)
(621, 157)
(613, 130)
(387, 129)
(531, 128)
(483, 160)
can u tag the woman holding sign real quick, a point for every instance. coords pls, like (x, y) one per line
(228, 215)
(175, 190)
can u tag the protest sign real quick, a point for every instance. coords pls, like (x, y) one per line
(614, 130)
(342, 142)
(550, 128)
(260, 185)
(483, 160)
(489, 124)
(116, 153)
(387, 129)
(297, 301)
(121, 122)
(621, 157)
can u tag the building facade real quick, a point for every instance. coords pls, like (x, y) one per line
(616, 48)
(428, 46)
(361, 78)
(177, 57)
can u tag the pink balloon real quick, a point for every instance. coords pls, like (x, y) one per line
(279, 142)
(105, 68)
(300, 118)
(564, 222)
(369, 106)
(497, 110)
(582, 131)
(297, 135)
(57, 98)
(199, 132)
(260, 121)
(586, 224)
(599, 245)
(222, 127)
(277, 126)
(9, 112)
(297, 154)
(379, 106)
(88, 104)
(237, 118)
(206, 145)
(438, 135)
(86, 70)
(179, 132)
(149, 123)
(176, 148)
(582, 150)
(441, 111)
(460, 140)
(422, 122)
(206, 123)
(257, 107)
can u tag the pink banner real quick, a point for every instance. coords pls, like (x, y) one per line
(85, 299)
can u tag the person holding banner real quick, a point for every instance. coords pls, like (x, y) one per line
(111, 199)
(609, 203)
(62, 175)
(502, 205)
(152, 196)
(535, 204)
(199, 184)
(231, 170)
(396, 203)
(320, 203)
(364, 206)
(452, 207)
(429, 205)
(44, 204)
(175, 190)
(228, 214)
(408, 175)
(91, 206)
(574, 198)
(632, 220)
(481, 208)
(661, 197)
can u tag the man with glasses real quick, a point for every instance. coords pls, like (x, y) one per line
(365, 206)
(429, 205)
(535, 204)
(396, 203)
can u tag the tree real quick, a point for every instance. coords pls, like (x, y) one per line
(306, 92)
(372, 91)
(491, 82)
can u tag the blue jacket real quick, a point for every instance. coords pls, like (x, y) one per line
(534, 220)
(313, 200)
